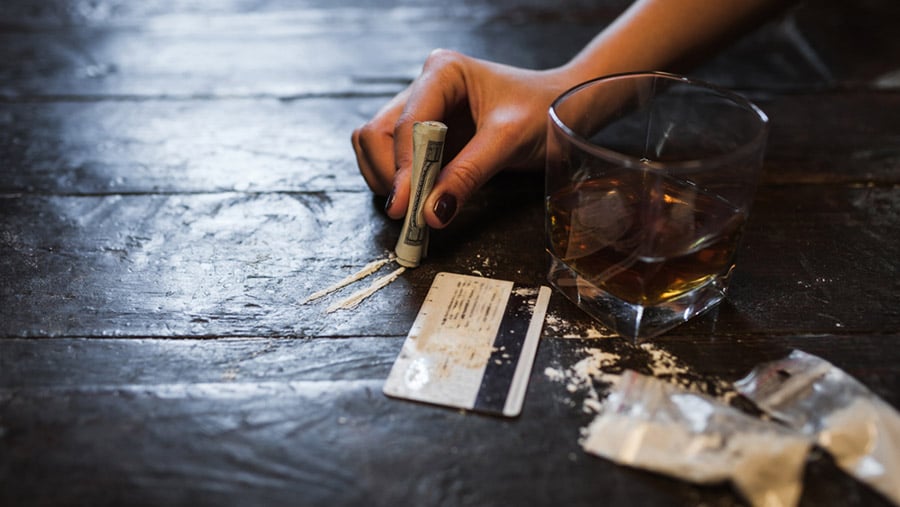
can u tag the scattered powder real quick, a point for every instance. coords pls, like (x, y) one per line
(590, 370)
(554, 374)
(525, 291)
(357, 297)
(601, 367)
(663, 363)
(558, 327)
(482, 266)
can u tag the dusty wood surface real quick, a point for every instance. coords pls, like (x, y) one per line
(176, 177)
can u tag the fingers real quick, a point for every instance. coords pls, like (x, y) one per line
(373, 144)
(493, 102)
(383, 146)
(438, 90)
(485, 154)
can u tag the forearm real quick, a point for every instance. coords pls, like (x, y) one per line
(667, 35)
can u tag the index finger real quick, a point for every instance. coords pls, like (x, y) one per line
(373, 144)
(438, 89)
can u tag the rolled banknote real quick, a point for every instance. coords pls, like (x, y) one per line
(428, 148)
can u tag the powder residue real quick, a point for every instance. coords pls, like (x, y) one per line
(357, 297)
(600, 366)
(482, 266)
(558, 327)
(366, 270)
(586, 373)
(664, 365)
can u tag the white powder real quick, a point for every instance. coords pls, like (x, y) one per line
(581, 376)
(366, 270)
(357, 297)
(525, 291)
(481, 266)
(558, 327)
(663, 362)
(554, 374)
(601, 367)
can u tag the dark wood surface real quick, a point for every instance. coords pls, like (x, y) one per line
(175, 177)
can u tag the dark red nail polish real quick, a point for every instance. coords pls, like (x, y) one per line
(390, 200)
(445, 208)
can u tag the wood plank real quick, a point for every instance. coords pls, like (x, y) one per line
(86, 364)
(152, 265)
(251, 145)
(66, 365)
(110, 147)
(820, 259)
(283, 52)
(66, 50)
(176, 176)
(816, 259)
(839, 137)
(322, 433)
(855, 42)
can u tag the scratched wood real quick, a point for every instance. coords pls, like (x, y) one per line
(274, 421)
(77, 49)
(175, 177)
(266, 145)
(237, 264)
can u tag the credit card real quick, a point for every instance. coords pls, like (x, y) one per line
(472, 345)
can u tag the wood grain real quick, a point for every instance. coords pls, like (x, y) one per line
(176, 177)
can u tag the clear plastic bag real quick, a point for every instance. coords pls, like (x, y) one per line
(819, 400)
(651, 424)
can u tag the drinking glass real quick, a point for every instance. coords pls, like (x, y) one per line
(649, 182)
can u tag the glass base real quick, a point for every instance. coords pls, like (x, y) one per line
(629, 320)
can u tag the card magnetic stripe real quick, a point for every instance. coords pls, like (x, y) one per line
(501, 367)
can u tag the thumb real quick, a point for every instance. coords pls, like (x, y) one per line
(473, 166)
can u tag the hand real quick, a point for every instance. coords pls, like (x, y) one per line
(496, 117)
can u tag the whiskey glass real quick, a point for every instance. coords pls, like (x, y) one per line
(649, 181)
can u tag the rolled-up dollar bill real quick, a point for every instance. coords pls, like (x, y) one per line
(428, 148)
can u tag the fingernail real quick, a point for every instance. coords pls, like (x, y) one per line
(445, 208)
(390, 200)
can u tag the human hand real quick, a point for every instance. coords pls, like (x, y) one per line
(496, 117)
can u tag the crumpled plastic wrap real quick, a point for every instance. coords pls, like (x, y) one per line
(651, 424)
(819, 400)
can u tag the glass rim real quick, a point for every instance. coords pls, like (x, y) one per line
(632, 161)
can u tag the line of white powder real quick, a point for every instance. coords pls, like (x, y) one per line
(366, 270)
(357, 297)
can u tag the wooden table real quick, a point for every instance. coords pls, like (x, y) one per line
(175, 177)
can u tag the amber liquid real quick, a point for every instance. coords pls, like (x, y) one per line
(644, 242)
